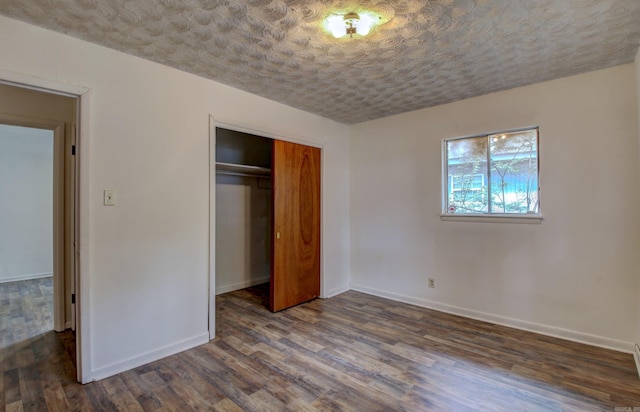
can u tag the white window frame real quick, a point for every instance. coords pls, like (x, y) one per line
(533, 218)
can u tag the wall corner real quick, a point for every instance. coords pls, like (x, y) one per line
(636, 352)
(636, 357)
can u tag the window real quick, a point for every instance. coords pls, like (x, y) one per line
(495, 174)
(461, 183)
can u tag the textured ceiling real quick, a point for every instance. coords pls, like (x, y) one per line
(429, 53)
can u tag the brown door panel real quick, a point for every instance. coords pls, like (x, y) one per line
(295, 272)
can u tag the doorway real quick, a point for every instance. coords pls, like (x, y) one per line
(26, 232)
(40, 174)
(265, 217)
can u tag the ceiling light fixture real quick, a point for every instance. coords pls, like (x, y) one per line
(340, 25)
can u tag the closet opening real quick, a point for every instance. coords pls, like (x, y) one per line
(243, 211)
(267, 218)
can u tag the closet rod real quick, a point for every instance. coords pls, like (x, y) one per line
(242, 170)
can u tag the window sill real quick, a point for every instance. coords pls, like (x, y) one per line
(496, 218)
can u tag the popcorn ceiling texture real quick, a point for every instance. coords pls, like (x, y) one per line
(430, 52)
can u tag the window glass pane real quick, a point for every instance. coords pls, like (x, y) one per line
(466, 176)
(514, 172)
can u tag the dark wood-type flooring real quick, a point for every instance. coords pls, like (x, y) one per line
(351, 352)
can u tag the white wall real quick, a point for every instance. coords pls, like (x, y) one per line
(575, 275)
(243, 232)
(149, 141)
(26, 203)
(637, 66)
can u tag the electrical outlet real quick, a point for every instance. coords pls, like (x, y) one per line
(432, 283)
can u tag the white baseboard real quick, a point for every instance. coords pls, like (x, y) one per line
(241, 285)
(28, 276)
(567, 334)
(636, 356)
(152, 356)
(335, 291)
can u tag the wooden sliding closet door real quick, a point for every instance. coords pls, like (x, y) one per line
(295, 271)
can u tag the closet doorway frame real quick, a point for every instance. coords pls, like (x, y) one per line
(238, 126)
(82, 262)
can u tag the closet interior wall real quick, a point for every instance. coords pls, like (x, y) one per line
(243, 210)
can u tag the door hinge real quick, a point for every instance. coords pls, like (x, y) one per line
(73, 150)
(73, 298)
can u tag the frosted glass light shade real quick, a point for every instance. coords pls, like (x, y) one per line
(336, 26)
(365, 24)
(341, 25)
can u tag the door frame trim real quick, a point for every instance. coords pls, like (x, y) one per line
(82, 218)
(212, 229)
(239, 126)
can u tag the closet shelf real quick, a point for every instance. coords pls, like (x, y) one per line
(242, 170)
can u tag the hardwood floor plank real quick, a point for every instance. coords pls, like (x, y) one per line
(11, 383)
(429, 400)
(121, 396)
(171, 401)
(191, 383)
(226, 405)
(143, 395)
(351, 380)
(100, 399)
(294, 397)
(225, 380)
(54, 395)
(379, 375)
(411, 353)
(55, 399)
(353, 352)
(267, 402)
(309, 384)
(14, 407)
(326, 404)
(75, 393)
(347, 398)
(2, 389)
(31, 392)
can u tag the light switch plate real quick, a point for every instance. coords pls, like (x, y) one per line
(109, 198)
